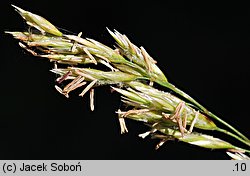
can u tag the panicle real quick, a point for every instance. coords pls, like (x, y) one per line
(132, 74)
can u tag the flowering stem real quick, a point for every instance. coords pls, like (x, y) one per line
(229, 126)
(210, 114)
(233, 135)
(130, 65)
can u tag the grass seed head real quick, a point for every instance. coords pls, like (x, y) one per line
(131, 67)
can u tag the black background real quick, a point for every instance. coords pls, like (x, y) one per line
(202, 48)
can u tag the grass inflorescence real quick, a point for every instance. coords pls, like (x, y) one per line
(132, 72)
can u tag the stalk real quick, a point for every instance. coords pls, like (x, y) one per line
(232, 135)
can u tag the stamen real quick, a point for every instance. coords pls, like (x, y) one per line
(90, 55)
(75, 86)
(134, 111)
(165, 115)
(177, 117)
(108, 65)
(27, 49)
(64, 76)
(178, 110)
(160, 144)
(102, 57)
(92, 107)
(58, 89)
(193, 122)
(185, 120)
(67, 87)
(73, 48)
(122, 123)
(181, 128)
(76, 83)
(88, 87)
(143, 135)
